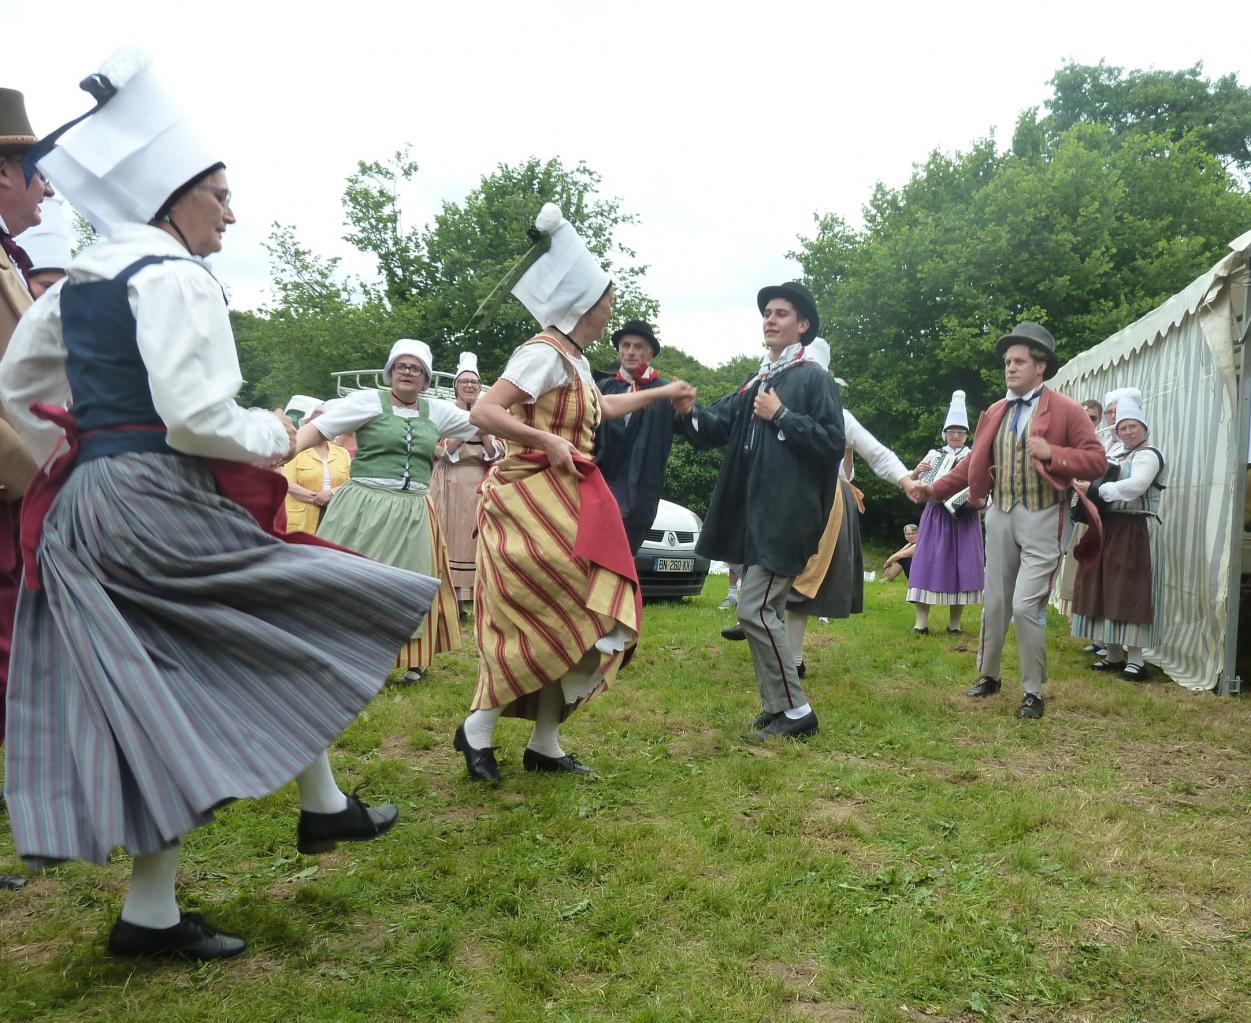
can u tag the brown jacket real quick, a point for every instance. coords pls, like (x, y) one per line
(1076, 454)
(17, 467)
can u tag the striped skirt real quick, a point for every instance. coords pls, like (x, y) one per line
(178, 657)
(400, 528)
(539, 611)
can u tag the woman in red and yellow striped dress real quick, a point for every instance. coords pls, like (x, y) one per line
(556, 601)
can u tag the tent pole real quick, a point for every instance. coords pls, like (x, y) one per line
(1230, 684)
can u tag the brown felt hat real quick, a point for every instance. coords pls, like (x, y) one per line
(15, 130)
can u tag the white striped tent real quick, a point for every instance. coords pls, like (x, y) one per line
(1188, 359)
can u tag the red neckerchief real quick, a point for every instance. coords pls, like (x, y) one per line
(17, 256)
(644, 374)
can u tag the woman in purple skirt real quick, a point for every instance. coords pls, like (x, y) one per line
(949, 564)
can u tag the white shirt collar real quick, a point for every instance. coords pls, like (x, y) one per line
(1012, 395)
(3, 226)
(788, 353)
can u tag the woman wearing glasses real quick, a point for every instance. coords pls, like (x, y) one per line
(152, 676)
(385, 510)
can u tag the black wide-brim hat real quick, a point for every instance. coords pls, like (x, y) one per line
(798, 296)
(639, 328)
(1038, 338)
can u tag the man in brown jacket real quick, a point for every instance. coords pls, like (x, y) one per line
(1031, 445)
(19, 209)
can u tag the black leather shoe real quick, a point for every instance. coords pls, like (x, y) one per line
(985, 686)
(192, 938)
(1031, 707)
(321, 832)
(801, 670)
(734, 632)
(12, 882)
(480, 763)
(1103, 664)
(763, 718)
(920, 632)
(782, 727)
(1133, 672)
(568, 764)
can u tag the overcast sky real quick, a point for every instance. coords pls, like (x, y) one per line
(723, 126)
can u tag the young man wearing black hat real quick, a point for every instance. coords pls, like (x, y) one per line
(1032, 444)
(783, 437)
(631, 452)
(19, 209)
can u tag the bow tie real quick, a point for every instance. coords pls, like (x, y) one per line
(1019, 404)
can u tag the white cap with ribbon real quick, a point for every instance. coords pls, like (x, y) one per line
(48, 242)
(419, 350)
(120, 164)
(468, 364)
(565, 281)
(957, 412)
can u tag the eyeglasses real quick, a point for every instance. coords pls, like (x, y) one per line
(222, 195)
(407, 367)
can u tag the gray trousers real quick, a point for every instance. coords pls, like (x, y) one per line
(1023, 552)
(762, 614)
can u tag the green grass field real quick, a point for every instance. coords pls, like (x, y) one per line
(926, 858)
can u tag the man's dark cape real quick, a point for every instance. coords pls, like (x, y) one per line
(777, 483)
(632, 455)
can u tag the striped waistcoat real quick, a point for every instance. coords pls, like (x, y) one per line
(1016, 479)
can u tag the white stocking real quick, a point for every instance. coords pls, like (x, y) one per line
(150, 900)
(546, 736)
(1133, 655)
(318, 791)
(923, 617)
(480, 726)
(957, 612)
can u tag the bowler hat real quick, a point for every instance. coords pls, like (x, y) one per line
(15, 130)
(1038, 338)
(639, 328)
(798, 296)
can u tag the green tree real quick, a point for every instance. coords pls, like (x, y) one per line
(1175, 104)
(431, 280)
(1083, 228)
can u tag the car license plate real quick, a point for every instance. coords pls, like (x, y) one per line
(675, 564)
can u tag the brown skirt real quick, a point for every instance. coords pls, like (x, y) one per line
(1118, 585)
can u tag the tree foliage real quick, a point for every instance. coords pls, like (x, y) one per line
(1093, 217)
(1174, 104)
(431, 280)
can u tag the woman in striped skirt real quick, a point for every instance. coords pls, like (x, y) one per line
(171, 652)
(384, 511)
(556, 599)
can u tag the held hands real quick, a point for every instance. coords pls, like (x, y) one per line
(681, 394)
(1039, 449)
(766, 405)
(910, 486)
(1081, 485)
(921, 492)
(322, 498)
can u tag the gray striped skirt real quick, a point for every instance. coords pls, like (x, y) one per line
(178, 658)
